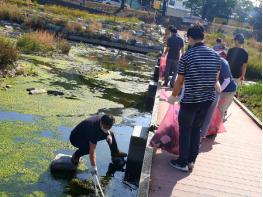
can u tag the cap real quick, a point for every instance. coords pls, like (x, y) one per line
(240, 38)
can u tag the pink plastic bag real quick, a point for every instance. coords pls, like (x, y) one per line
(162, 65)
(167, 135)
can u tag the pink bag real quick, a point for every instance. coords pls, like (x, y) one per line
(162, 65)
(167, 135)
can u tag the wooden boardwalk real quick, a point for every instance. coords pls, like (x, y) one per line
(230, 165)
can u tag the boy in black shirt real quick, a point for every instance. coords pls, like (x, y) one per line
(237, 58)
(86, 135)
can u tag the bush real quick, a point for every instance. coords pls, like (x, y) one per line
(10, 12)
(251, 96)
(39, 41)
(63, 46)
(8, 52)
(74, 26)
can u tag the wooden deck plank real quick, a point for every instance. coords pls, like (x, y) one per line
(229, 165)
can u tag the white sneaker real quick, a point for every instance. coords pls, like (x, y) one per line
(191, 165)
(178, 166)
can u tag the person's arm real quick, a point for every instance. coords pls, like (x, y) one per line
(177, 88)
(217, 84)
(182, 47)
(92, 154)
(166, 51)
(244, 70)
(182, 51)
(225, 84)
(178, 85)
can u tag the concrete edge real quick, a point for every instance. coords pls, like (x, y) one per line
(144, 184)
(248, 112)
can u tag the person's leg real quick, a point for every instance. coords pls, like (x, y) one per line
(186, 117)
(167, 71)
(225, 101)
(81, 151)
(114, 148)
(174, 67)
(209, 116)
(195, 133)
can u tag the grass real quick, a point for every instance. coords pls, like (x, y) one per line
(8, 52)
(74, 14)
(10, 12)
(251, 96)
(39, 41)
(42, 42)
(251, 46)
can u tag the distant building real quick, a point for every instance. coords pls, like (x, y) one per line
(176, 8)
(179, 14)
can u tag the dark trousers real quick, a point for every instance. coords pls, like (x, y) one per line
(83, 147)
(170, 67)
(191, 118)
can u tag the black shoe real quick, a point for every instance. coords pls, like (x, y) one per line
(165, 84)
(119, 154)
(178, 166)
(75, 160)
(211, 136)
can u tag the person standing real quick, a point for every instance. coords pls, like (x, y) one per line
(199, 71)
(175, 44)
(237, 58)
(222, 100)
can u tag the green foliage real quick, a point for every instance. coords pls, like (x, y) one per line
(42, 42)
(36, 42)
(8, 52)
(211, 8)
(251, 96)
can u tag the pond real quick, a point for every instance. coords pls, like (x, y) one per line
(34, 128)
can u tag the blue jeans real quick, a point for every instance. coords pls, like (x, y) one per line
(170, 68)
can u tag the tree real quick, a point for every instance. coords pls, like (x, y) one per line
(243, 10)
(211, 8)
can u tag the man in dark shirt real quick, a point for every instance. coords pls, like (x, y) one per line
(174, 44)
(86, 135)
(237, 58)
(199, 72)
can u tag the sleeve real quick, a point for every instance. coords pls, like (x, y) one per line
(245, 57)
(93, 140)
(182, 65)
(224, 70)
(228, 56)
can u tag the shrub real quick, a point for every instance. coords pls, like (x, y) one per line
(10, 12)
(73, 26)
(39, 41)
(94, 26)
(63, 46)
(251, 96)
(125, 35)
(8, 52)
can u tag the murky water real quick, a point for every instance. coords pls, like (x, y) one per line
(34, 128)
